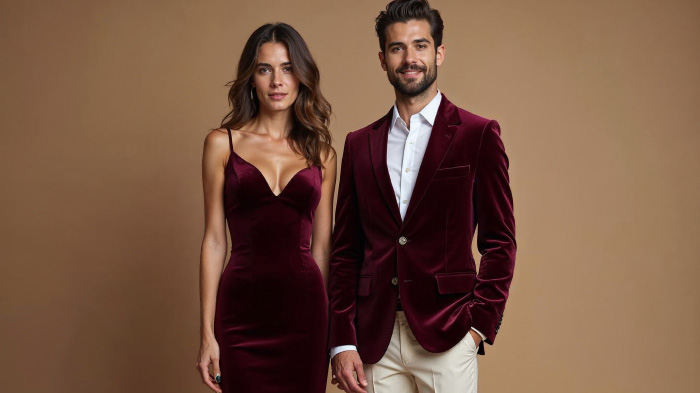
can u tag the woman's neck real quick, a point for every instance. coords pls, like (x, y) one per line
(276, 124)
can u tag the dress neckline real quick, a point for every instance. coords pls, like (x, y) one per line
(262, 177)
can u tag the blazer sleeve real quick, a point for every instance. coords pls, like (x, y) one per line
(346, 257)
(493, 206)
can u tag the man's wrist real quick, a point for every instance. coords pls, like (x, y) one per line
(483, 337)
(342, 348)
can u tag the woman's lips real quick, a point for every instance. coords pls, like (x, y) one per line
(277, 96)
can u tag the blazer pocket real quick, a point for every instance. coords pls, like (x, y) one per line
(455, 171)
(462, 282)
(363, 285)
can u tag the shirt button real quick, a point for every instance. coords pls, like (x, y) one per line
(408, 170)
(395, 281)
(405, 201)
(402, 240)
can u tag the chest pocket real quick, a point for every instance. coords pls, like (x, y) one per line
(451, 172)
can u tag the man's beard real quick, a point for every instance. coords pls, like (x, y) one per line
(413, 89)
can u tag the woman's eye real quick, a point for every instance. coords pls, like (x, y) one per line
(287, 69)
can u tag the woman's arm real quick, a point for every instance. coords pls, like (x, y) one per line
(323, 218)
(213, 252)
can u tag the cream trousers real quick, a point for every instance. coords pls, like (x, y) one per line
(408, 368)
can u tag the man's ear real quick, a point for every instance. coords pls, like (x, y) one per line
(382, 61)
(440, 55)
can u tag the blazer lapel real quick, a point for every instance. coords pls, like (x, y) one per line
(440, 140)
(378, 144)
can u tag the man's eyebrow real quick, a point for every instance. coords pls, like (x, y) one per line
(418, 40)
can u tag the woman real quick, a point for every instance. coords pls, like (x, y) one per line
(269, 171)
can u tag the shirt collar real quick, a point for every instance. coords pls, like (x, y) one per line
(429, 112)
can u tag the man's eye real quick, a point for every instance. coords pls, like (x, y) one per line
(395, 49)
(422, 46)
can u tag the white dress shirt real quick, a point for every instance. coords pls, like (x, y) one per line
(405, 149)
(404, 153)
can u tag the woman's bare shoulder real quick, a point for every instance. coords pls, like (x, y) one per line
(216, 139)
(328, 155)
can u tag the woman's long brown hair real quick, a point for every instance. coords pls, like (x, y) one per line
(309, 135)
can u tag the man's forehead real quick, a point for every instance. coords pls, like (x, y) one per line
(408, 31)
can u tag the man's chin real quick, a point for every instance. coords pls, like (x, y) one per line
(412, 91)
(413, 87)
(410, 87)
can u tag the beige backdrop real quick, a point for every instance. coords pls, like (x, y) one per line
(104, 109)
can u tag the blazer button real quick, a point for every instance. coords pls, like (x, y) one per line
(395, 281)
(402, 240)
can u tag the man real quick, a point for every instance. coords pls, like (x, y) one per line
(408, 311)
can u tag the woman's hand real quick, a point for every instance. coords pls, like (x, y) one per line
(209, 355)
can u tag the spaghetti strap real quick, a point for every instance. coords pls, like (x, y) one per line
(230, 144)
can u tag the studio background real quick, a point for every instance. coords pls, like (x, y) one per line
(105, 106)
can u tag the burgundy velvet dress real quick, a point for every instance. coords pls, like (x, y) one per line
(271, 320)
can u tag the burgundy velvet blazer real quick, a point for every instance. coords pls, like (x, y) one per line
(462, 183)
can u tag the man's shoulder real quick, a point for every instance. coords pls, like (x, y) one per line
(471, 120)
(371, 127)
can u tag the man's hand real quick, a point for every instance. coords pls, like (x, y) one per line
(343, 366)
(476, 337)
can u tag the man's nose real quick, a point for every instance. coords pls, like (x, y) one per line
(410, 57)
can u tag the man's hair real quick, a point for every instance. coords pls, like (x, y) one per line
(405, 10)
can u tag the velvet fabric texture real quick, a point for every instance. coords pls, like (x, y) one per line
(462, 182)
(271, 318)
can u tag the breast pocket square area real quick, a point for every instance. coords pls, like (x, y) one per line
(455, 171)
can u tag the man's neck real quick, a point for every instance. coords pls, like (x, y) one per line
(409, 106)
